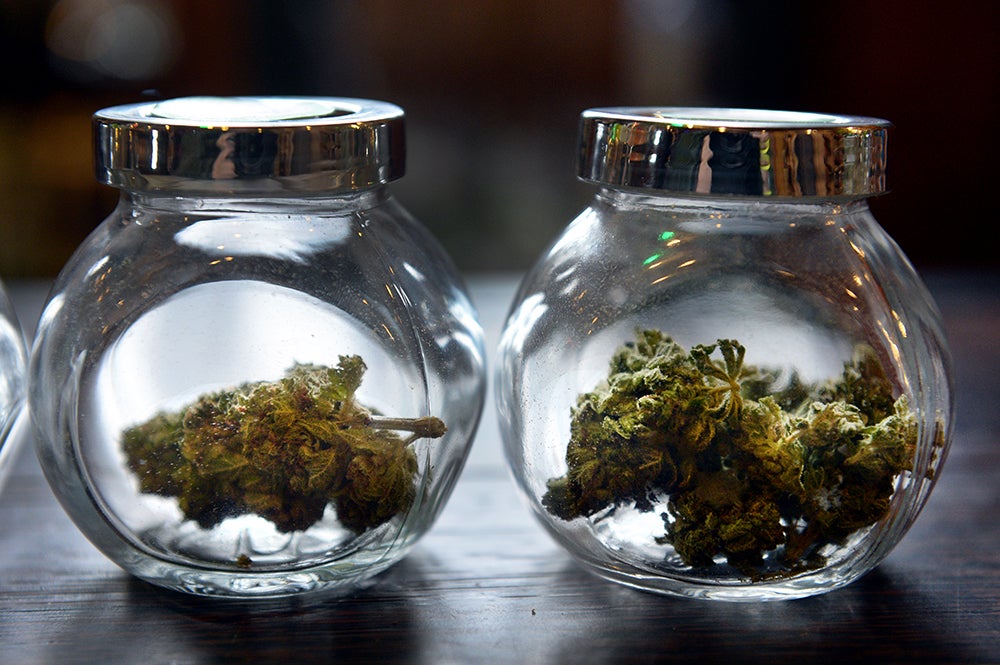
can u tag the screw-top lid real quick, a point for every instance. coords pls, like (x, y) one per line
(734, 151)
(250, 144)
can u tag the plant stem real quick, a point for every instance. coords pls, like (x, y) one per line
(426, 427)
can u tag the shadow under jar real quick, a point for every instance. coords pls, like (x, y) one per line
(259, 375)
(724, 380)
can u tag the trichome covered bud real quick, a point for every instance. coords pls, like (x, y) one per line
(282, 450)
(761, 479)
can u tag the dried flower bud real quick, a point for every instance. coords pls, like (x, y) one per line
(283, 450)
(749, 473)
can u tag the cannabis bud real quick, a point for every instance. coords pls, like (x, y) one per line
(283, 450)
(748, 469)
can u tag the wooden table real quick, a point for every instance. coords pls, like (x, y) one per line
(488, 585)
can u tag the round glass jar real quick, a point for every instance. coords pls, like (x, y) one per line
(12, 389)
(724, 380)
(259, 375)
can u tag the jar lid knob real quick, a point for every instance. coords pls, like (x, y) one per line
(741, 152)
(250, 144)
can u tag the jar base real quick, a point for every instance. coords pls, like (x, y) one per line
(787, 589)
(334, 579)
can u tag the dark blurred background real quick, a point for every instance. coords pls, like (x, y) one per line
(493, 90)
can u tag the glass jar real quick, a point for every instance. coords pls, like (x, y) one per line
(724, 380)
(259, 375)
(12, 389)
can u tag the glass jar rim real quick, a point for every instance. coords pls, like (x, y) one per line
(745, 152)
(250, 144)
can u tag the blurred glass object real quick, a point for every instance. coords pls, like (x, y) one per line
(12, 390)
(131, 40)
(667, 47)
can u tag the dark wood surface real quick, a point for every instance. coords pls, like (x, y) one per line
(488, 585)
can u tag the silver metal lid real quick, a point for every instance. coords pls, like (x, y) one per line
(742, 152)
(250, 144)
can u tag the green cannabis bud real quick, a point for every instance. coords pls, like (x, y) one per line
(282, 450)
(747, 472)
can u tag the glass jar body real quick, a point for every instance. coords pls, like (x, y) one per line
(12, 388)
(798, 286)
(176, 308)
